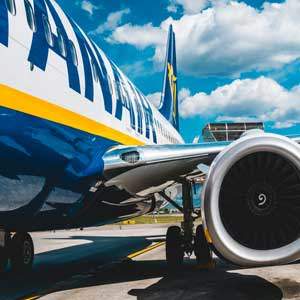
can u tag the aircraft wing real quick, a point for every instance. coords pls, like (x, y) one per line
(145, 170)
(149, 169)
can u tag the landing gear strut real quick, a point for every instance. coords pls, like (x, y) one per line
(18, 248)
(185, 240)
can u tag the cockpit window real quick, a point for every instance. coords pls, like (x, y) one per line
(61, 43)
(48, 32)
(11, 6)
(30, 15)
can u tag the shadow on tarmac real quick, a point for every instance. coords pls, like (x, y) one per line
(56, 265)
(189, 282)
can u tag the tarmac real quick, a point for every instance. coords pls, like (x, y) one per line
(128, 262)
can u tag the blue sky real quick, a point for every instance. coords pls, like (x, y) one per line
(237, 60)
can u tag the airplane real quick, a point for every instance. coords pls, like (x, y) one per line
(81, 146)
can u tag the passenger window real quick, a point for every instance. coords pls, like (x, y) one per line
(30, 15)
(95, 74)
(73, 53)
(11, 6)
(61, 43)
(48, 32)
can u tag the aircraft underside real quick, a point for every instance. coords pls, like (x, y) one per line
(62, 191)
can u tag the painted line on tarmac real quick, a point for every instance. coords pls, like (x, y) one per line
(143, 251)
(32, 297)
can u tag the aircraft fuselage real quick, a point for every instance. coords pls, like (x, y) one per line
(63, 104)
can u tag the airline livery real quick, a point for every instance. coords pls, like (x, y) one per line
(81, 146)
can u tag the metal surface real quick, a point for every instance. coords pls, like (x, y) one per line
(222, 240)
(158, 166)
(158, 153)
(214, 132)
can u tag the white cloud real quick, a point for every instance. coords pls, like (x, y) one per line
(172, 8)
(155, 99)
(189, 6)
(286, 124)
(88, 6)
(261, 99)
(183, 94)
(138, 36)
(137, 69)
(113, 21)
(226, 39)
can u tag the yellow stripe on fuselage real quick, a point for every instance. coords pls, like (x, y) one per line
(28, 104)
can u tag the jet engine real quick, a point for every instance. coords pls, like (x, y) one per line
(251, 201)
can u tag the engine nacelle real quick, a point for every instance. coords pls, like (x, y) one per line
(251, 201)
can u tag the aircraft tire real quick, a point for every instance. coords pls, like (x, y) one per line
(174, 249)
(3, 260)
(22, 252)
(201, 247)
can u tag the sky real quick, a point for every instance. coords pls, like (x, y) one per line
(237, 60)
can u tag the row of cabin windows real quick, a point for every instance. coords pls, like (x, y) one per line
(11, 6)
(164, 132)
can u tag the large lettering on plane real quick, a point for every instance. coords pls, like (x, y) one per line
(104, 82)
(138, 108)
(123, 98)
(89, 58)
(3, 24)
(148, 119)
(40, 48)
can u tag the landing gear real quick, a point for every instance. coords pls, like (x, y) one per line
(174, 246)
(22, 252)
(4, 238)
(201, 248)
(3, 261)
(19, 249)
(184, 240)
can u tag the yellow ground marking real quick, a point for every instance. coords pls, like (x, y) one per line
(28, 104)
(143, 251)
(32, 297)
(129, 222)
